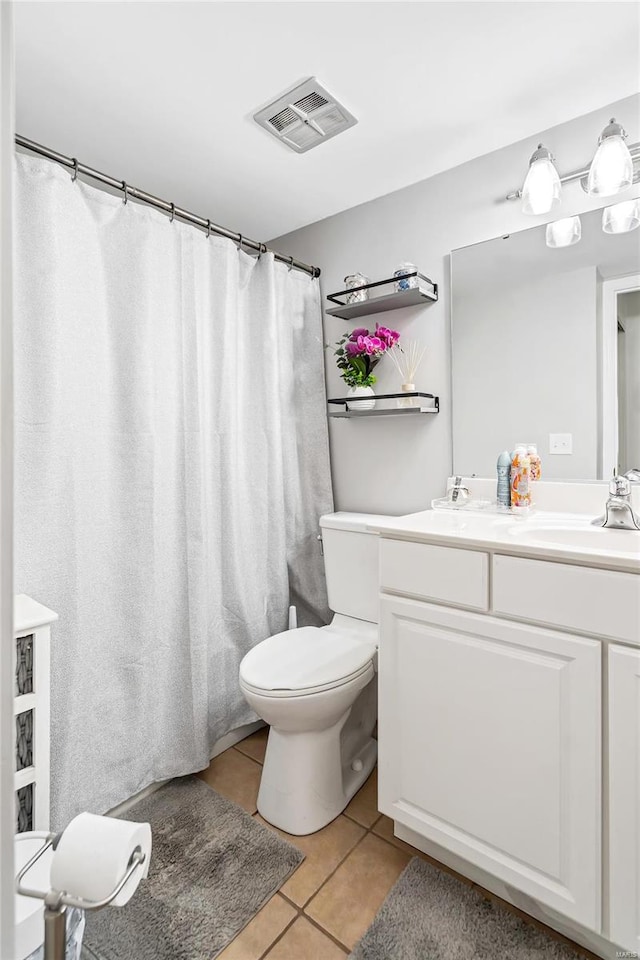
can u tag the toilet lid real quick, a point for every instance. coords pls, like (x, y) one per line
(305, 658)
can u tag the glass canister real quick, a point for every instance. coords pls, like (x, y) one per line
(403, 282)
(356, 280)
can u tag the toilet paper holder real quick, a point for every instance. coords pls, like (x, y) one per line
(57, 901)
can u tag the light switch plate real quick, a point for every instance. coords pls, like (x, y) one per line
(561, 443)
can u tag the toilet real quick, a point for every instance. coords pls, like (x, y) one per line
(316, 687)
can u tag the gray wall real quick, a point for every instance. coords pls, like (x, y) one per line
(397, 466)
(532, 347)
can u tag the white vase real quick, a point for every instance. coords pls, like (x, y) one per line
(367, 404)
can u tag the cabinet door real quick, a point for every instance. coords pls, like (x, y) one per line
(489, 745)
(624, 797)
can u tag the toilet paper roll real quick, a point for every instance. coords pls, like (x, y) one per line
(93, 855)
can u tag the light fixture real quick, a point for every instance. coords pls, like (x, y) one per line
(612, 166)
(564, 233)
(542, 185)
(621, 217)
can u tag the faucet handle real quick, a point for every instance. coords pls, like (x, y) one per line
(633, 475)
(619, 486)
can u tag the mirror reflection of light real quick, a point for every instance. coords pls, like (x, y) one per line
(621, 217)
(564, 233)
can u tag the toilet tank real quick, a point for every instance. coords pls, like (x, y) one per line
(351, 564)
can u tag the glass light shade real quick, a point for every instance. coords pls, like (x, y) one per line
(541, 188)
(621, 217)
(564, 233)
(612, 166)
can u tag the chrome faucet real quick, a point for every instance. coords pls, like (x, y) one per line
(458, 492)
(618, 512)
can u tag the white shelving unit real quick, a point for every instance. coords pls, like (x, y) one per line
(32, 657)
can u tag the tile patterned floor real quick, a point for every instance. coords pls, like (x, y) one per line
(327, 904)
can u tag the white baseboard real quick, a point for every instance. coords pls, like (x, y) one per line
(235, 736)
(229, 740)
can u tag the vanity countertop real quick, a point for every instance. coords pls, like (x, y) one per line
(543, 535)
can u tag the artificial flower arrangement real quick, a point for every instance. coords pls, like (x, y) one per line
(359, 352)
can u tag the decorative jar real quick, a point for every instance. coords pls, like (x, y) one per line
(403, 282)
(356, 280)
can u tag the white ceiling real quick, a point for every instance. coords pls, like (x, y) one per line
(162, 94)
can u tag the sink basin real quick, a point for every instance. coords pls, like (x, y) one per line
(578, 535)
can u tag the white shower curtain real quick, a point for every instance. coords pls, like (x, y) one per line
(171, 466)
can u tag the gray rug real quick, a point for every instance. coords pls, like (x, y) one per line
(429, 915)
(212, 868)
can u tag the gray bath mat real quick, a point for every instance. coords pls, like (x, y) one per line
(429, 915)
(212, 868)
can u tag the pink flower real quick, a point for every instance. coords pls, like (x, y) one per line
(359, 332)
(388, 336)
(352, 349)
(374, 345)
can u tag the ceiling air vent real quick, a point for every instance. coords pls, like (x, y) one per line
(305, 116)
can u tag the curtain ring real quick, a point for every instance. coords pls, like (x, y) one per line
(290, 264)
(263, 249)
(173, 212)
(126, 191)
(208, 229)
(75, 170)
(239, 243)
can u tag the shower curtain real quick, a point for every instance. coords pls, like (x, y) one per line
(171, 467)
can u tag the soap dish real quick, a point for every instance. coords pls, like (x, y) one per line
(445, 503)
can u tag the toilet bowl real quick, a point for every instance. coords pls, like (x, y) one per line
(316, 688)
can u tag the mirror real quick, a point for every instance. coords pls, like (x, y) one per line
(546, 350)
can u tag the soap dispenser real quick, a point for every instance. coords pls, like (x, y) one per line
(536, 462)
(520, 478)
(503, 493)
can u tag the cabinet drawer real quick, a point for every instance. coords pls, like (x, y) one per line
(600, 602)
(430, 572)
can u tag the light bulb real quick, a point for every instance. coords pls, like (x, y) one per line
(564, 233)
(621, 217)
(541, 188)
(612, 166)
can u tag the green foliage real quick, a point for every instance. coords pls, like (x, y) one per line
(355, 371)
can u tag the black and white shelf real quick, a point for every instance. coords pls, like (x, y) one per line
(425, 292)
(387, 405)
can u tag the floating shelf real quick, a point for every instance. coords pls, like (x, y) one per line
(433, 406)
(426, 292)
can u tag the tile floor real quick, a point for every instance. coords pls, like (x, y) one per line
(327, 904)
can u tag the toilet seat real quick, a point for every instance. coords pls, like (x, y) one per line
(305, 661)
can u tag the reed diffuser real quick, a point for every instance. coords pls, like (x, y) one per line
(407, 359)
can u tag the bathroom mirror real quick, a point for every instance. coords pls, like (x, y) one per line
(546, 350)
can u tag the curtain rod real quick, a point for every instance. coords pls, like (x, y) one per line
(153, 201)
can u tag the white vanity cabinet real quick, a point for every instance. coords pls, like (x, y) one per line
(624, 796)
(490, 747)
(509, 719)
